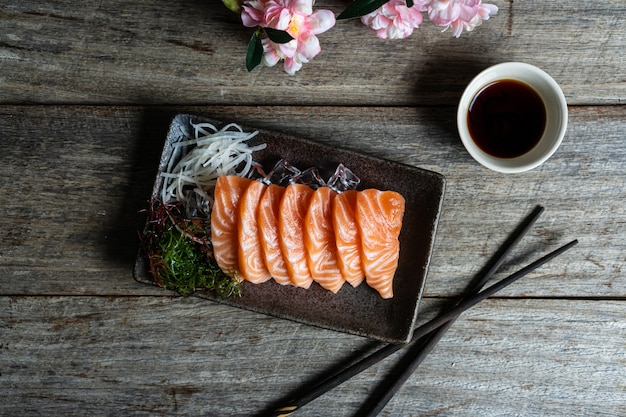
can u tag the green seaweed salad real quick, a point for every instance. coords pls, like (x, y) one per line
(180, 255)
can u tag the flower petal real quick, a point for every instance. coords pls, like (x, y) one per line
(394, 20)
(252, 13)
(320, 21)
(292, 66)
(304, 7)
(308, 47)
(271, 55)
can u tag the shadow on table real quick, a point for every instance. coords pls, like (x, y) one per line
(440, 106)
(320, 377)
(144, 155)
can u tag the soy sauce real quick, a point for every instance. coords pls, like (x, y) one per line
(506, 118)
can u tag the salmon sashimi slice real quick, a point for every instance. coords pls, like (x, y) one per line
(379, 216)
(319, 240)
(347, 237)
(251, 262)
(293, 208)
(224, 236)
(267, 219)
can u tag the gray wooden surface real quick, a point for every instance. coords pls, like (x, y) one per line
(87, 90)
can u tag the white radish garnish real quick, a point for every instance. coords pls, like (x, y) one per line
(196, 163)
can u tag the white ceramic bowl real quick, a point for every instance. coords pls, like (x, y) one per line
(556, 116)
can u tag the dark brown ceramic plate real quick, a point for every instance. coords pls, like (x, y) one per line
(358, 310)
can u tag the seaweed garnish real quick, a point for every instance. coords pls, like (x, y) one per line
(180, 255)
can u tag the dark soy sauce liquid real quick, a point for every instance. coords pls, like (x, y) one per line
(506, 118)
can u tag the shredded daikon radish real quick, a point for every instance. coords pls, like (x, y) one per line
(196, 162)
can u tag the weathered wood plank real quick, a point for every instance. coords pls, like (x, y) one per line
(78, 336)
(172, 356)
(76, 178)
(163, 52)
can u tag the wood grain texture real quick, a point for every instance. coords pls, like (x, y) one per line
(78, 177)
(192, 52)
(87, 91)
(136, 356)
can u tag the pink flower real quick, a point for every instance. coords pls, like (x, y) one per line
(394, 20)
(460, 14)
(297, 18)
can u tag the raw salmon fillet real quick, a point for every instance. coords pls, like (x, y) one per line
(293, 209)
(224, 236)
(347, 237)
(251, 262)
(379, 216)
(319, 240)
(267, 219)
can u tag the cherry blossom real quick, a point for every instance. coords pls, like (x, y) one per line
(460, 14)
(297, 18)
(394, 19)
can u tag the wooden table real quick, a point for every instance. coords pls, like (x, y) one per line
(87, 90)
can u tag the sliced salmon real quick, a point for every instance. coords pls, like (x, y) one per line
(347, 237)
(379, 217)
(224, 236)
(267, 219)
(293, 209)
(319, 240)
(251, 262)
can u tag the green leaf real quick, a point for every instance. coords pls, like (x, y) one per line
(360, 8)
(254, 54)
(278, 36)
(233, 5)
(409, 3)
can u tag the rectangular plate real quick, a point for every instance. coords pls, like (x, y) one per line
(360, 310)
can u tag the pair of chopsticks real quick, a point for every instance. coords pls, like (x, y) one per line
(427, 335)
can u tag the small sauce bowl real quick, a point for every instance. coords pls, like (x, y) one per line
(555, 116)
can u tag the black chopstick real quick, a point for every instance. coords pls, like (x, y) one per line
(374, 407)
(418, 352)
(389, 349)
